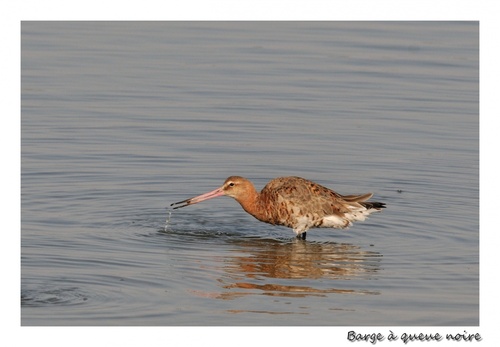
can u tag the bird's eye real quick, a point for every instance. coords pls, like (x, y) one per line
(231, 184)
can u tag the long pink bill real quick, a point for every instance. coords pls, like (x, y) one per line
(210, 195)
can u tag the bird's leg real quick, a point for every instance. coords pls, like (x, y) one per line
(302, 236)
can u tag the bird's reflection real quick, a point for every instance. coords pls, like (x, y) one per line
(298, 259)
(296, 268)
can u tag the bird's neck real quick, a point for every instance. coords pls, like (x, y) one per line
(251, 203)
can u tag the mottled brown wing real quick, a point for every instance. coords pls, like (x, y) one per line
(305, 196)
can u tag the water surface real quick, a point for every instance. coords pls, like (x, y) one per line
(121, 119)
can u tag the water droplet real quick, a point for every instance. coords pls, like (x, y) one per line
(167, 222)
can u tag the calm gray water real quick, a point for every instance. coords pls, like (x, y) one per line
(121, 119)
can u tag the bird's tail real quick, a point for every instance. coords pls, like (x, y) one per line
(361, 199)
(373, 205)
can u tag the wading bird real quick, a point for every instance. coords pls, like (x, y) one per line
(294, 202)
